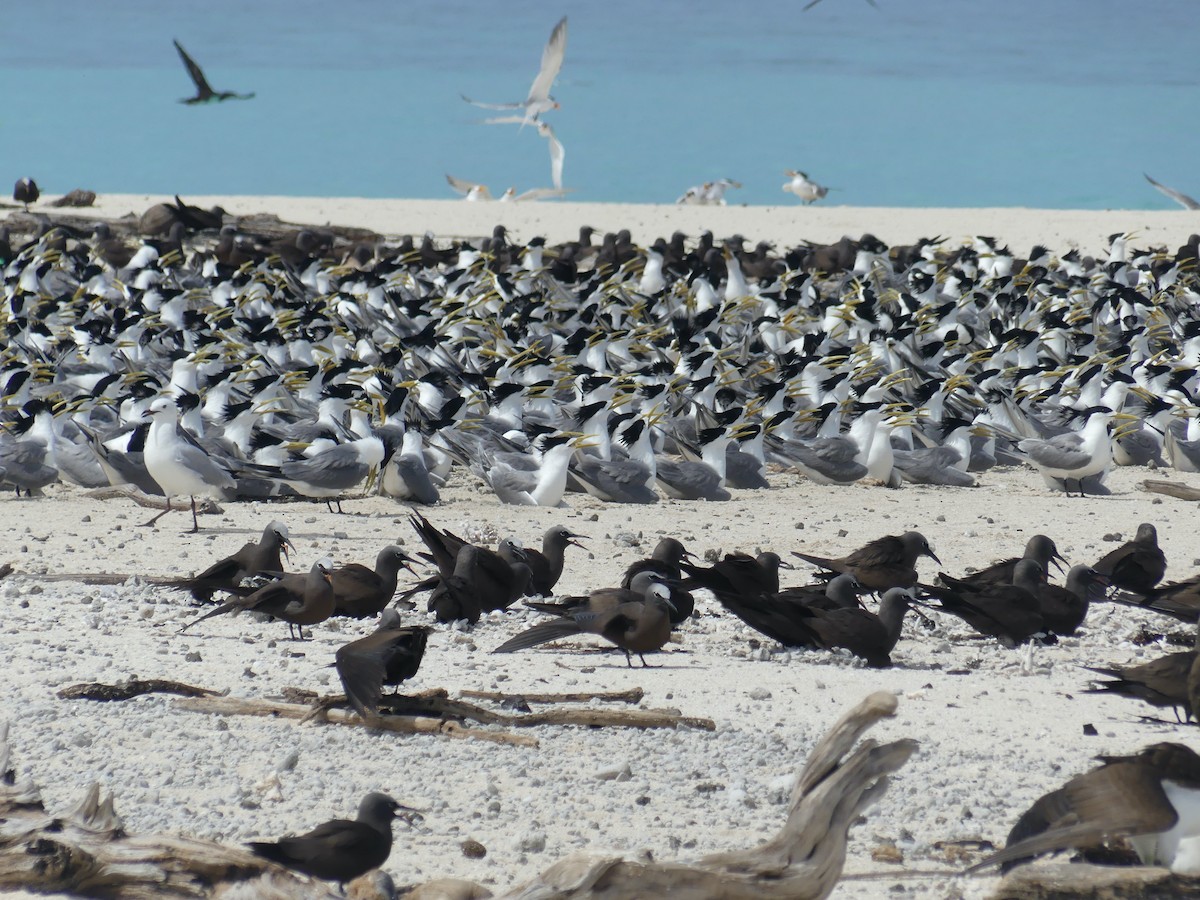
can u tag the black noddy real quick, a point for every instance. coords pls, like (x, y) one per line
(482, 581)
(869, 636)
(360, 592)
(1162, 682)
(547, 564)
(639, 624)
(668, 553)
(298, 599)
(783, 616)
(391, 654)
(885, 562)
(738, 573)
(339, 850)
(253, 558)
(1151, 798)
(204, 92)
(1011, 613)
(1039, 547)
(1137, 565)
(1064, 608)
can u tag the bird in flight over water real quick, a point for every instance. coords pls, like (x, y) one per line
(1182, 199)
(204, 91)
(539, 99)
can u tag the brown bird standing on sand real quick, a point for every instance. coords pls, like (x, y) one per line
(391, 654)
(482, 581)
(1136, 565)
(1161, 682)
(1039, 547)
(641, 625)
(227, 574)
(668, 554)
(1011, 613)
(869, 636)
(339, 850)
(297, 599)
(26, 191)
(547, 564)
(886, 562)
(1148, 798)
(362, 593)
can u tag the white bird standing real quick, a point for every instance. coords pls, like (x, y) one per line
(803, 187)
(181, 467)
(539, 100)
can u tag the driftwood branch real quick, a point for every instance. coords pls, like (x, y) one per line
(1172, 489)
(634, 695)
(235, 706)
(1088, 881)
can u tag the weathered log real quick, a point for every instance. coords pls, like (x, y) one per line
(1172, 489)
(1086, 881)
(236, 706)
(634, 695)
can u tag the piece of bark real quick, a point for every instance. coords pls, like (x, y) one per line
(134, 687)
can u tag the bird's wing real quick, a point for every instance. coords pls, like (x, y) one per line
(1060, 452)
(465, 187)
(1182, 199)
(361, 670)
(557, 154)
(552, 60)
(541, 194)
(1124, 798)
(197, 75)
(493, 105)
(504, 120)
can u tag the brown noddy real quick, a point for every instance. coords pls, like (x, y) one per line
(1064, 608)
(339, 850)
(547, 564)
(254, 557)
(1011, 613)
(885, 562)
(665, 559)
(1039, 547)
(1161, 682)
(1179, 599)
(391, 654)
(482, 581)
(362, 593)
(1136, 565)
(298, 599)
(1149, 798)
(641, 625)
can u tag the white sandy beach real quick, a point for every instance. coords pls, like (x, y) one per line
(784, 225)
(997, 727)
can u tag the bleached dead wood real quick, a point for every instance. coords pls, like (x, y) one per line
(1087, 881)
(1172, 489)
(89, 854)
(634, 695)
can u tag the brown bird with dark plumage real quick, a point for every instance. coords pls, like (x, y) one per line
(886, 562)
(339, 850)
(204, 92)
(1136, 565)
(362, 593)
(26, 191)
(391, 654)
(253, 558)
(297, 599)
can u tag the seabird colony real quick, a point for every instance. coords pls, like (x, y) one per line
(308, 365)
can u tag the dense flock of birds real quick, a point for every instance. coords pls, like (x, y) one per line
(206, 360)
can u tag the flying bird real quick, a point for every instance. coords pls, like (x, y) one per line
(1182, 199)
(204, 91)
(804, 187)
(539, 99)
(472, 191)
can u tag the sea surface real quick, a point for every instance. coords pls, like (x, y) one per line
(1039, 103)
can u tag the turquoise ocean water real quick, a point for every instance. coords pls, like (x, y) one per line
(1057, 103)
